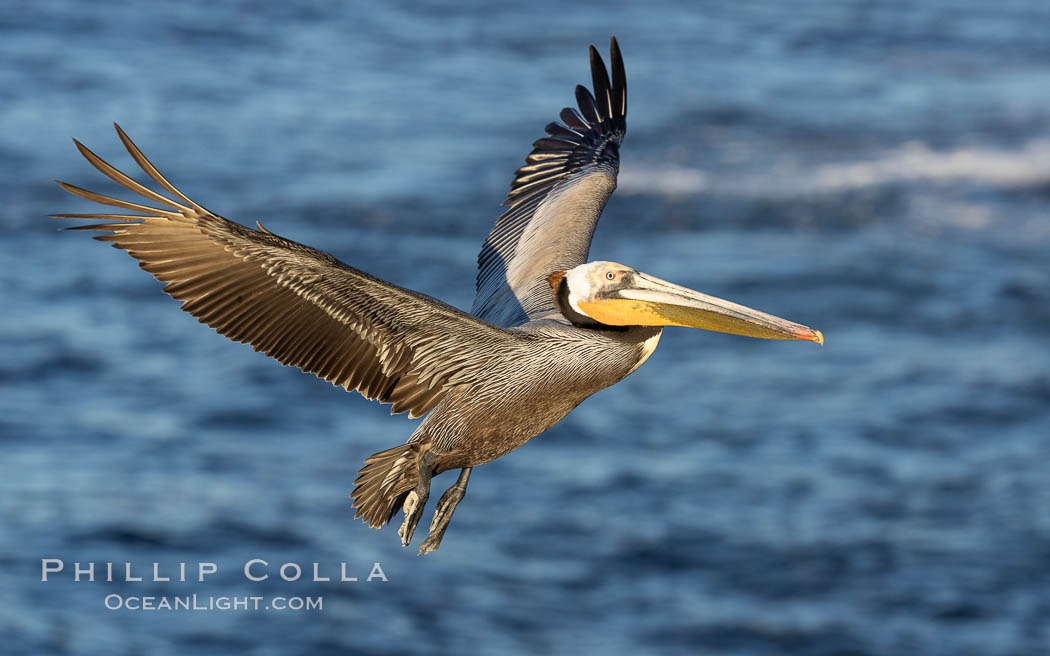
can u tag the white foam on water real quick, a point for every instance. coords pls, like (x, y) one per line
(668, 181)
(1028, 165)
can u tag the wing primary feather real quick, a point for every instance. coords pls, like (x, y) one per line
(552, 144)
(587, 105)
(151, 170)
(602, 93)
(106, 217)
(560, 131)
(572, 119)
(123, 179)
(106, 200)
(619, 85)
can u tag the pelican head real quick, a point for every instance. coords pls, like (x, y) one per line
(612, 294)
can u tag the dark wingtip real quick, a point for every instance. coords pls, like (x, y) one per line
(602, 86)
(619, 83)
(588, 105)
(617, 61)
(598, 122)
(572, 119)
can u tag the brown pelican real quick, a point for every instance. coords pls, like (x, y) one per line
(548, 328)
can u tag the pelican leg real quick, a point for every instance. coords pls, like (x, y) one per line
(443, 512)
(416, 500)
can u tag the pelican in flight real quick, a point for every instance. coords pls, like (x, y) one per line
(547, 329)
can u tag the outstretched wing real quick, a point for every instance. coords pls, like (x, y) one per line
(555, 201)
(298, 305)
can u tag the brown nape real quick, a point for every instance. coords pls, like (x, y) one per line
(555, 280)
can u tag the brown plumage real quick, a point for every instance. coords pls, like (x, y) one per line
(557, 328)
(298, 305)
(306, 309)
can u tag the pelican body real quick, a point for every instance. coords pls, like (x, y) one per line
(547, 329)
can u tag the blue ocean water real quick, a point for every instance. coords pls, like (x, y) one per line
(877, 170)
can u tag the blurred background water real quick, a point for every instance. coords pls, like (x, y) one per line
(879, 170)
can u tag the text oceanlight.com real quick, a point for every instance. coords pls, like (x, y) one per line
(212, 603)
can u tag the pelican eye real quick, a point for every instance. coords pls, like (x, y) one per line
(610, 275)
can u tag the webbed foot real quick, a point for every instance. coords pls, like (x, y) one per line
(443, 512)
(416, 500)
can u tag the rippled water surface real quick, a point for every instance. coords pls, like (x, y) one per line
(880, 171)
